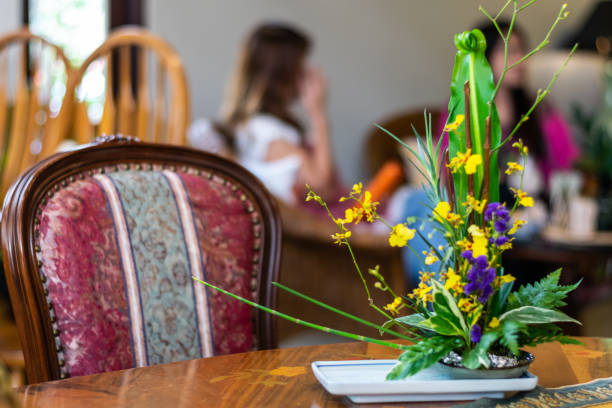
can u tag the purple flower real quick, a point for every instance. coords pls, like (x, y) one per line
(475, 334)
(490, 210)
(501, 240)
(480, 277)
(499, 214)
(468, 254)
(500, 226)
(481, 261)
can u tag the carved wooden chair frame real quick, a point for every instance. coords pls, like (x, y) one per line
(20, 218)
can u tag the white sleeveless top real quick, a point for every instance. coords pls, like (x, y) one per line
(252, 142)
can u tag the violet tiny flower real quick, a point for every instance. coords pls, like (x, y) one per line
(501, 226)
(501, 240)
(481, 261)
(475, 334)
(491, 208)
(468, 254)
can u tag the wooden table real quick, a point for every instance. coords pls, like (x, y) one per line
(275, 378)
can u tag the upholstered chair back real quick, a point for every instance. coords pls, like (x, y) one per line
(102, 246)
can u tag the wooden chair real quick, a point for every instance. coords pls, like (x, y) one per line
(100, 245)
(29, 120)
(139, 66)
(380, 148)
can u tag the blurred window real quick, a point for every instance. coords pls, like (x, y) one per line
(79, 27)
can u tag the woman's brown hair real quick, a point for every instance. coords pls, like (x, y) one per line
(266, 78)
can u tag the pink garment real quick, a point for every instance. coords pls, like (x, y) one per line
(561, 150)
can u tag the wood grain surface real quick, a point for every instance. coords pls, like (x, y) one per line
(277, 378)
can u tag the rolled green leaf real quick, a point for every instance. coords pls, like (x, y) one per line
(471, 66)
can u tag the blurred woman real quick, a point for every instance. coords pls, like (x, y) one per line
(258, 117)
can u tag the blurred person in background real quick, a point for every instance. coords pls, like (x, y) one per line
(259, 126)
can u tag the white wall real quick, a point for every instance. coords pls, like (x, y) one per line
(380, 56)
(10, 15)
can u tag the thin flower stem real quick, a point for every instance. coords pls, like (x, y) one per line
(381, 219)
(345, 241)
(342, 313)
(502, 9)
(484, 194)
(506, 40)
(305, 323)
(430, 245)
(450, 185)
(379, 310)
(540, 96)
(561, 16)
(524, 6)
(365, 284)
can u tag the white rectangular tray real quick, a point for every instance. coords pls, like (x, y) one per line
(364, 381)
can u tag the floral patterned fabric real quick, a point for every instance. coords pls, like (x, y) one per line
(119, 250)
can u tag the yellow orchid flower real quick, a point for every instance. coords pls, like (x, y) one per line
(466, 305)
(472, 162)
(430, 257)
(494, 323)
(500, 280)
(443, 212)
(513, 167)
(465, 160)
(522, 197)
(464, 244)
(453, 281)
(480, 245)
(369, 207)
(516, 226)
(422, 293)
(393, 307)
(520, 146)
(400, 235)
(455, 124)
(474, 204)
(340, 237)
(476, 231)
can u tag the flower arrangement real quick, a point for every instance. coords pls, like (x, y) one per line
(464, 302)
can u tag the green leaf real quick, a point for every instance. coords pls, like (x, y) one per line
(471, 66)
(498, 302)
(477, 357)
(446, 303)
(442, 326)
(547, 293)
(510, 334)
(414, 320)
(422, 355)
(544, 333)
(536, 315)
